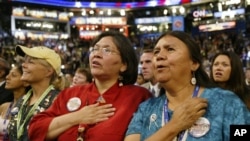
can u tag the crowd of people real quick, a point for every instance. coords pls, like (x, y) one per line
(177, 98)
(74, 52)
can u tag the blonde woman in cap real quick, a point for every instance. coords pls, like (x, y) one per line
(41, 67)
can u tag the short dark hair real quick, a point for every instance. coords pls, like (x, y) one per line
(85, 72)
(127, 52)
(148, 50)
(248, 68)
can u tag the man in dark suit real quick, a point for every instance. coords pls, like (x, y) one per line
(147, 69)
(5, 95)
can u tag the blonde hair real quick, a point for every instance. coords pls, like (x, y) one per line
(61, 83)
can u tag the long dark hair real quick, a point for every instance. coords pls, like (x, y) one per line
(236, 81)
(195, 54)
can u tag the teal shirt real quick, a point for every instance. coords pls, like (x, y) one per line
(224, 109)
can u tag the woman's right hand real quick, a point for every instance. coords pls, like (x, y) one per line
(90, 114)
(187, 113)
(95, 113)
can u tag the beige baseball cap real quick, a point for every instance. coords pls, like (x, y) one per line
(41, 52)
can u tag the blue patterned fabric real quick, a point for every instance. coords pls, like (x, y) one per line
(224, 109)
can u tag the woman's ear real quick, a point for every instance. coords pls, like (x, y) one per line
(123, 68)
(50, 71)
(195, 66)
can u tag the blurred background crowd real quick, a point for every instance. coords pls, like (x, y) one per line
(69, 26)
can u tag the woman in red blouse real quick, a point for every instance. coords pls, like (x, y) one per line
(102, 109)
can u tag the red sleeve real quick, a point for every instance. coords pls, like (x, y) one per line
(39, 124)
(127, 102)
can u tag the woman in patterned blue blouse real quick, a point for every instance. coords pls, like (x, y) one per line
(192, 108)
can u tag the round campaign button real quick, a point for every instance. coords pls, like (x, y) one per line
(14, 111)
(153, 118)
(73, 104)
(200, 127)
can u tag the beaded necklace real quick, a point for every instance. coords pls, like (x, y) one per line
(6, 137)
(20, 126)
